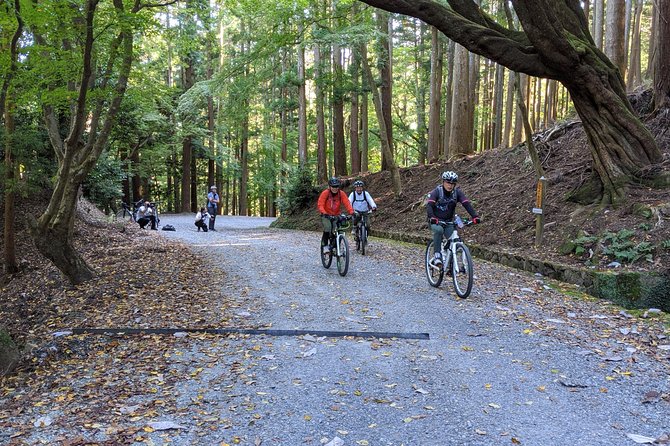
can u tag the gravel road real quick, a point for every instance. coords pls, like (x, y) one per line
(505, 366)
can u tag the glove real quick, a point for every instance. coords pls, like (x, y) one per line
(476, 220)
(434, 220)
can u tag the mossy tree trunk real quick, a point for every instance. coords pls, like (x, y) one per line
(555, 43)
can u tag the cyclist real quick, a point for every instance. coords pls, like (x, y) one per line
(362, 202)
(329, 204)
(441, 205)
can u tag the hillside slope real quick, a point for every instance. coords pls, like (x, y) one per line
(502, 185)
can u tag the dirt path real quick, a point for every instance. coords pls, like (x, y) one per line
(517, 363)
(498, 367)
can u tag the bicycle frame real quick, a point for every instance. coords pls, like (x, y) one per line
(339, 233)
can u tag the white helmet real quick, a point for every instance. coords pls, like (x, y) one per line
(451, 177)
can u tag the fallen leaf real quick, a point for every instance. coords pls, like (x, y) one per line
(640, 439)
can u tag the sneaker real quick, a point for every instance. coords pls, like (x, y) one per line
(437, 260)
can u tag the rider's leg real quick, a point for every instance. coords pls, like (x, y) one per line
(327, 229)
(438, 233)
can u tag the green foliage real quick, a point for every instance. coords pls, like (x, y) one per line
(299, 192)
(583, 243)
(665, 244)
(102, 186)
(645, 226)
(619, 246)
(623, 248)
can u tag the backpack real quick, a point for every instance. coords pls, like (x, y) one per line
(365, 198)
(168, 228)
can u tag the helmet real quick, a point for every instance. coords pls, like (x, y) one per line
(450, 176)
(359, 183)
(212, 187)
(334, 182)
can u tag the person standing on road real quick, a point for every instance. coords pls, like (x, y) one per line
(362, 202)
(329, 204)
(212, 206)
(441, 206)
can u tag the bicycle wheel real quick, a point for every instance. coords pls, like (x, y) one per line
(358, 237)
(363, 237)
(343, 258)
(462, 271)
(326, 258)
(434, 273)
(124, 215)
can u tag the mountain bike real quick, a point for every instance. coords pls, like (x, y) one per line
(125, 214)
(362, 231)
(456, 261)
(339, 247)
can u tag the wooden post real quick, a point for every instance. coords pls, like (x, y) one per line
(538, 210)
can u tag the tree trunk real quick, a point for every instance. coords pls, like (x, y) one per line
(302, 105)
(634, 73)
(598, 22)
(662, 61)
(6, 111)
(384, 63)
(449, 99)
(615, 33)
(498, 106)
(435, 97)
(386, 149)
(461, 136)
(420, 89)
(339, 149)
(322, 164)
(353, 116)
(364, 114)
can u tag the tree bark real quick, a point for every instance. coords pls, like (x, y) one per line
(355, 152)
(662, 60)
(449, 98)
(615, 33)
(322, 164)
(10, 265)
(302, 105)
(385, 65)
(339, 149)
(460, 134)
(383, 137)
(555, 44)
(435, 97)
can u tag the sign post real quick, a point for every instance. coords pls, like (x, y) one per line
(538, 210)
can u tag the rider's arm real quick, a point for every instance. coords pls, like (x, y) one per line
(430, 204)
(321, 203)
(372, 202)
(466, 203)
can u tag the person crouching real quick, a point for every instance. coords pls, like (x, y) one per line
(201, 219)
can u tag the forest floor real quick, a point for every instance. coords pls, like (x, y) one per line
(502, 186)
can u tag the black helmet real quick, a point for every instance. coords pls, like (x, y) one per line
(450, 176)
(334, 182)
(359, 183)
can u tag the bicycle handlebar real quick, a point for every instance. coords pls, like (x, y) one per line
(446, 223)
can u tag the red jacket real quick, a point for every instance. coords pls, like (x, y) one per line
(330, 203)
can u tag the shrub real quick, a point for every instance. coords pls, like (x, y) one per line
(299, 192)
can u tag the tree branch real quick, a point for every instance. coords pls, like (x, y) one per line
(476, 32)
